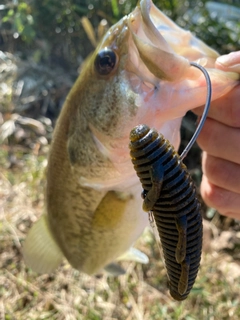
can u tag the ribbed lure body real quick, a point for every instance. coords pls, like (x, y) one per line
(170, 194)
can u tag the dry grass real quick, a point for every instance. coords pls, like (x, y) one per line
(67, 294)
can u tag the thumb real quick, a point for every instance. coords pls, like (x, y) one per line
(229, 62)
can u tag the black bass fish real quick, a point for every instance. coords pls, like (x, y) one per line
(139, 73)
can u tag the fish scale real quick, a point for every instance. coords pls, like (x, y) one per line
(178, 216)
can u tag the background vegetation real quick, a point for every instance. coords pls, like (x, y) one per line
(52, 29)
(42, 46)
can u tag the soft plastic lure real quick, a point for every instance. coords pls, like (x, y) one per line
(169, 193)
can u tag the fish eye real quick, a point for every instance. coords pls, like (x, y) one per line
(105, 61)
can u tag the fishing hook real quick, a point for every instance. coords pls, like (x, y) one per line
(205, 111)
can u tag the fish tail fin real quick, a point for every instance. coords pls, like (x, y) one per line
(40, 251)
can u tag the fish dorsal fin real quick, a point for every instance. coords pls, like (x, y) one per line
(134, 254)
(40, 251)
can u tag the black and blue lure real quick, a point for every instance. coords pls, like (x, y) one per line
(170, 196)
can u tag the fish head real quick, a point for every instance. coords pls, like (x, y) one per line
(141, 73)
(106, 99)
(125, 70)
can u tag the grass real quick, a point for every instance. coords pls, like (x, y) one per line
(70, 295)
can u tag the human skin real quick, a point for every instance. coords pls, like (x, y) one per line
(220, 142)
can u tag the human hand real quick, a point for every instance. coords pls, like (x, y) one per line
(220, 142)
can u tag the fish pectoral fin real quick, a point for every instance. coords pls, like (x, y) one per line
(114, 269)
(134, 254)
(40, 251)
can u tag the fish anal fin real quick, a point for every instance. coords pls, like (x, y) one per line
(40, 251)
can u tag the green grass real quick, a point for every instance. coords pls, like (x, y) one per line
(68, 294)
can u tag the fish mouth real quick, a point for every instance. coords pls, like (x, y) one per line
(152, 48)
(164, 47)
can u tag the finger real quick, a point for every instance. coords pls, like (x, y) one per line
(222, 173)
(233, 215)
(229, 62)
(220, 141)
(226, 109)
(225, 201)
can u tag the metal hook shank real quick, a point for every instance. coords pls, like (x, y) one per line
(205, 111)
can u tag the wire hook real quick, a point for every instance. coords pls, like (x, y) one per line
(205, 111)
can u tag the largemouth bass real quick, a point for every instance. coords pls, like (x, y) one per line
(139, 73)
